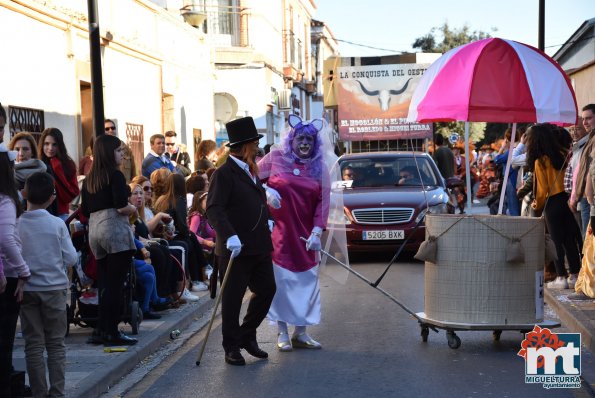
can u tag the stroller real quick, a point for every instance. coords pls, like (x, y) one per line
(83, 308)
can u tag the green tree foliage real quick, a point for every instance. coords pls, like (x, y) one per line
(476, 130)
(450, 38)
(493, 132)
(440, 39)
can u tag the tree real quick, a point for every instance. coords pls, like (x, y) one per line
(452, 38)
(476, 130)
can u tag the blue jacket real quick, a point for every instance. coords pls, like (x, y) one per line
(152, 163)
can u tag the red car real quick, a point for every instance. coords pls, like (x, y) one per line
(385, 194)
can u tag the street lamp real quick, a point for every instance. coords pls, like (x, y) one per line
(193, 15)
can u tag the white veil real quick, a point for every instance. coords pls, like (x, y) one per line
(333, 238)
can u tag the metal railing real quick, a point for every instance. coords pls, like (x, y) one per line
(224, 22)
(26, 119)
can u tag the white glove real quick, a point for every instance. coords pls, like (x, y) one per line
(234, 245)
(271, 225)
(273, 197)
(313, 242)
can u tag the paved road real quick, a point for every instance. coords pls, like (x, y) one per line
(371, 348)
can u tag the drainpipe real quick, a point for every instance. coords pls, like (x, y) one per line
(243, 24)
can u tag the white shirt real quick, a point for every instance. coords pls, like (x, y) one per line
(47, 249)
(244, 167)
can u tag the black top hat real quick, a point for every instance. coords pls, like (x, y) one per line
(241, 131)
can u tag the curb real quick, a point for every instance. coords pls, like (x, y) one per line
(100, 381)
(574, 317)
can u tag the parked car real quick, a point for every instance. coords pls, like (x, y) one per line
(385, 194)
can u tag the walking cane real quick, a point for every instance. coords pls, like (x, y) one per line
(363, 278)
(204, 343)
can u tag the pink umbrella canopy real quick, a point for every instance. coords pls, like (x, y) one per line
(494, 80)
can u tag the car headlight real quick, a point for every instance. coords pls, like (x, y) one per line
(440, 208)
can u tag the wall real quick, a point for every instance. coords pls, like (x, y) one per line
(583, 83)
(147, 52)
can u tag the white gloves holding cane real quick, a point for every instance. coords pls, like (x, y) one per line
(234, 245)
(313, 242)
(273, 197)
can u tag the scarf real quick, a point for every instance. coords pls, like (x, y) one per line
(25, 169)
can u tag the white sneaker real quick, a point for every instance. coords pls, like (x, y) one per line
(476, 201)
(186, 295)
(199, 286)
(559, 283)
(209, 270)
(571, 280)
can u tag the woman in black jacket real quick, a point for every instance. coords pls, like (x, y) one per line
(105, 202)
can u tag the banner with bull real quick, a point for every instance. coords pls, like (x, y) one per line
(373, 102)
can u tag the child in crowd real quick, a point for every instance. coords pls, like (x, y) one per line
(48, 250)
(205, 234)
(145, 275)
(197, 219)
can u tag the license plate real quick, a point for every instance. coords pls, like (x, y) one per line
(384, 235)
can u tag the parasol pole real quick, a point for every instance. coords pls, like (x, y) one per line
(507, 169)
(468, 168)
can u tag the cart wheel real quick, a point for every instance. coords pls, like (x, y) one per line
(496, 335)
(136, 316)
(425, 331)
(454, 341)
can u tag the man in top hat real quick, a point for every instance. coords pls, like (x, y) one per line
(237, 210)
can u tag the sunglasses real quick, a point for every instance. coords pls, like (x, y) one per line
(110, 128)
(405, 176)
(170, 144)
(147, 189)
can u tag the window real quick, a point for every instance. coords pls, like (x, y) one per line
(136, 141)
(26, 119)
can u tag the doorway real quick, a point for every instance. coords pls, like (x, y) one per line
(86, 118)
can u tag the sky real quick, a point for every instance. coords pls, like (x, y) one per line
(395, 24)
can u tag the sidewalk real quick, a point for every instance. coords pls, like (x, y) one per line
(90, 371)
(578, 316)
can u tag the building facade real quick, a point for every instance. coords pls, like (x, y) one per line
(157, 73)
(577, 58)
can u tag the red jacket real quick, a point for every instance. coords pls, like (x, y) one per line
(66, 188)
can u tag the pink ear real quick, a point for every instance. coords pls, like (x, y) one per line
(294, 120)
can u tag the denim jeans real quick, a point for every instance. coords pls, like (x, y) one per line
(585, 210)
(512, 201)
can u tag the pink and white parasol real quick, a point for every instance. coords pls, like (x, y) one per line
(494, 80)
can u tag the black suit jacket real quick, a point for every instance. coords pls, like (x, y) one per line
(238, 206)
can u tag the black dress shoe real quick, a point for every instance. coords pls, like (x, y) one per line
(95, 338)
(253, 349)
(233, 357)
(119, 339)
(151, 315)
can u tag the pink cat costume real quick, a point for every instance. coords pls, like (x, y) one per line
(298, 178)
